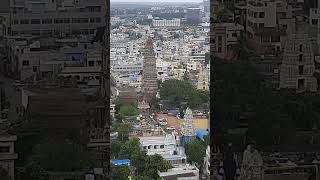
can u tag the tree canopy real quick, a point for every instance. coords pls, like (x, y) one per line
(61, 157)
(128, 110)
(153, 164)
(120, 172)
(196, 151)
(177, 92)
(241, 96)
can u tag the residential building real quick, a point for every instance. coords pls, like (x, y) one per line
(7, 154)
(185, 172)
(267, 25)
(225, 38)
(166, 146)
(166, 22)
(203, 80)
(56, 18)
(298, 64)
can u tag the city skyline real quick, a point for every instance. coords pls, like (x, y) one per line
(162, 1)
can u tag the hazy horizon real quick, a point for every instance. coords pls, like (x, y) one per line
(148, 1)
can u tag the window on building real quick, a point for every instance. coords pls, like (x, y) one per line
(92, 20)
(300, 57)
(300, 83)
(284, 26)
(234, 35)
(4, 149)
(301, 70)
(219, 38)
(66, 20)
(261, 25)
(47, 21)
(161, 146)
(144, 147)
(91, 63)
(91, 31)
(261, 15)
(265, 38)
(35, 21)
(35, 68)
(275, 38)
(24, 21)
(25, 63)
(16, 21)
(98, 20)
(300, 47)
(219, 49)
(314, 21)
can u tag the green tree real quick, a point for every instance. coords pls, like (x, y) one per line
(196, 151)
(153, 164)
(120, 172)
(61, 157)
(34, 171)
(177, 91)
(115, 148)
(123, 130)
(128, 110)
(129, 148)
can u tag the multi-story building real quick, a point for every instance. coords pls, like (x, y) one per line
(166, 22)
(268, 23)
(56, 17)
(203, 80)
(166, 146)
(185, 172)
(4, 17)
(225, 38)
(298, 66)
(8, 155)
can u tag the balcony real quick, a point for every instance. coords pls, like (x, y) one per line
(8, 156)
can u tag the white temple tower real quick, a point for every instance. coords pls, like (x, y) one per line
(187, 129)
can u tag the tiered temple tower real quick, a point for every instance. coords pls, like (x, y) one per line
(149, 74)
(99, 130)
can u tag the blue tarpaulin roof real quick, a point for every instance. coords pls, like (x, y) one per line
(173, 112)
(120, 161)
(200, 133)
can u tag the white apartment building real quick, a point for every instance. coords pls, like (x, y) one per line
(56, 17)
(166, 146)
(126, 69)
(166, 22)
(193, 66)
(179, 73)
(198, 57)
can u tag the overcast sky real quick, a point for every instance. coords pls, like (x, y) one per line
(156, 0)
